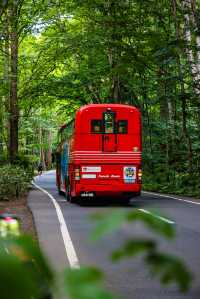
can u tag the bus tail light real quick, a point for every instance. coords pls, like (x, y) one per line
(135, 149)
(77, 174)
(139, 175)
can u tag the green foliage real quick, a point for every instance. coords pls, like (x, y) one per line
(172, 182)
(80, 52)
(24, 267)
(24, 272)
(107, 224)
(168, 268)
(132, 248)
(14, 182)
(31, 277)
(77, 52)
(3, 159)
(85, 283)
(26, 162)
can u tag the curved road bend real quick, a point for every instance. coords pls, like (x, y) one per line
(130, 278)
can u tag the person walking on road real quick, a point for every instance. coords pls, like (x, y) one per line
(40, 168)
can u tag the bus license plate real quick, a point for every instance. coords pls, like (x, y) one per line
(87, 194)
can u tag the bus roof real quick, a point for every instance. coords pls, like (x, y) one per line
(107, 106)
(99, 106)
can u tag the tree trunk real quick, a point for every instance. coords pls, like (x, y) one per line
(4, 101)
(190, 56)
(195, 23)
(113, 52)
(7, 81)
(14, 110)
(1, 126)
(194, 63)
(49, 151)
(42, 152)
(116, 88)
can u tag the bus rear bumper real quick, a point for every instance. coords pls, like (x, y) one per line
(108, 190)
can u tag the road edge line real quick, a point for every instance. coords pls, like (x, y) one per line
(173, 197)
(68, 244)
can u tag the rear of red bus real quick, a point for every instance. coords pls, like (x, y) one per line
(105, 152)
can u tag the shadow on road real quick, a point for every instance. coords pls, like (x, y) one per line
(106, 202)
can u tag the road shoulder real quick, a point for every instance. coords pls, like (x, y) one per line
(48, 228)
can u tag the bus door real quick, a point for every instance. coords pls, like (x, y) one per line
(109, 138)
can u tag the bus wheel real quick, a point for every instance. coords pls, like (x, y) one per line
(67, 192)
(136, 194)
(126, 201)
(60, 192)
(68, 195)
(73, 199)
(58, 188)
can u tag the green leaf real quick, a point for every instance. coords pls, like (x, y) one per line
(24, 268)
(133, 247)
(153, 222)
(170, 269)
(85, 283)
(107, 223)
(111, 221)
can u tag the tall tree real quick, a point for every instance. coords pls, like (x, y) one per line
(13, 20)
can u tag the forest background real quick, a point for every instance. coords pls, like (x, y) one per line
(57, 55)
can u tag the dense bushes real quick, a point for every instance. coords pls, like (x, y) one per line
(14, 181)
(171, 182)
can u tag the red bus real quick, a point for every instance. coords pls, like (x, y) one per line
(100, 153)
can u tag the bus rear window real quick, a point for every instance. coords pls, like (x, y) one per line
(122, 127)
(109, 122)
(96, 126)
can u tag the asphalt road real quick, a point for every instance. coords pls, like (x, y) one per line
(131, 278)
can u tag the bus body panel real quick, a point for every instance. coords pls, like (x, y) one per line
(106, 162)
(85, 140)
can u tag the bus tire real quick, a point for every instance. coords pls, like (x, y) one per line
(126, 201)
(68, 195)
(73, 199)
(70, 198)
(137, 194)
(60, 192)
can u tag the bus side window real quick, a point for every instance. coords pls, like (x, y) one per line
(122, 127)
(96, 126)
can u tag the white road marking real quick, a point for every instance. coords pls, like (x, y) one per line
(157, 216)
(69, 247)
(168, 196)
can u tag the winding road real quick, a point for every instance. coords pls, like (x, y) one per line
(130, 278)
